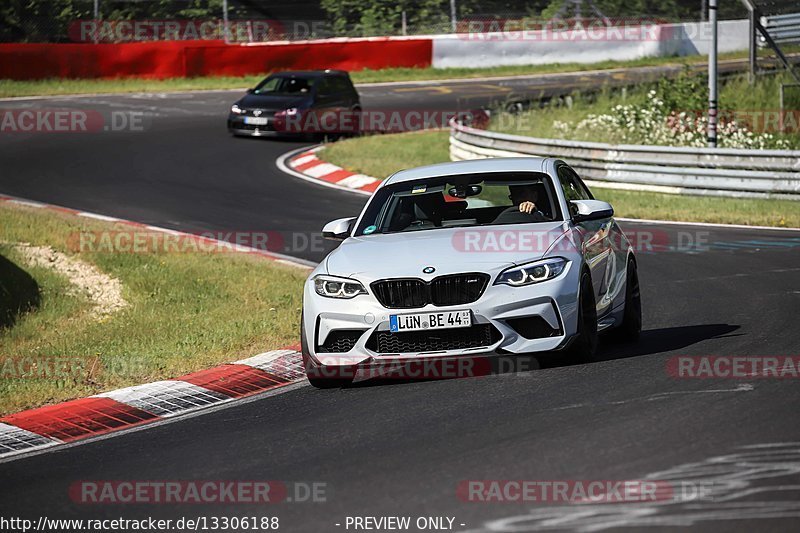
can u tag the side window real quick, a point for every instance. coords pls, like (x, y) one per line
(268, 85)
(574, 189)
(324, 87)
(340, 84)
(582, 187)
(347, 84)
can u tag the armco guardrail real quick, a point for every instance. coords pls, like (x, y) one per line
(702, 171)
(784, 29)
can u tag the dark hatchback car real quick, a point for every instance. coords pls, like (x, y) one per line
(286, 103)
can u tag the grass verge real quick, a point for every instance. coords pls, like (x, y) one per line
(381, 155)
(188, 311)
(11, 88)
(737, 98)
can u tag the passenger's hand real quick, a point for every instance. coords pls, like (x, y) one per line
(527, 207)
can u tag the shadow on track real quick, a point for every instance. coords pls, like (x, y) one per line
(650, 342)
(661, 340)
(19, 293)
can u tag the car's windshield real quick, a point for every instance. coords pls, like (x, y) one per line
(461, 201)
(285, 85)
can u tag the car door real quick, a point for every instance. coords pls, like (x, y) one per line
(331, 102)
(595, 238)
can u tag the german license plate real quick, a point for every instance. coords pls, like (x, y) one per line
(256, 121)
(432, 320)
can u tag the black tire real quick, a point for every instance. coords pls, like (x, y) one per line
(356, 132)
(584, 346)
(631, 325)
(318, 375)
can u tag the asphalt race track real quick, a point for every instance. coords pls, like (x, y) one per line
(402, 449)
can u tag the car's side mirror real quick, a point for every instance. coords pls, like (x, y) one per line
(584, 210)
(338, 229)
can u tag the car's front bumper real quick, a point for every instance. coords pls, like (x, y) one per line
(237, 126)
(554, 301)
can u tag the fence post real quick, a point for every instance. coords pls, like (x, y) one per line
(96, 16)
(225, 20)
(712, 76)
(752, 46)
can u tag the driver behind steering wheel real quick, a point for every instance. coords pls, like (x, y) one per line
(524, 198)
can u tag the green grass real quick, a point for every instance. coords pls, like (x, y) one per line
(381, 155)
(188, 311)
(736, 94)
(753, 212)
(10, 88)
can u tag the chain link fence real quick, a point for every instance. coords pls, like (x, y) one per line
(105, 21)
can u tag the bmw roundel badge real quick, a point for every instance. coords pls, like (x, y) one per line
(428, 270)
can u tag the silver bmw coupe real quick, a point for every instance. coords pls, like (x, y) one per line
(488, 257)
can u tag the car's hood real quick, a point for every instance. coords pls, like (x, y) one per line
(450, 250)
(276, 102)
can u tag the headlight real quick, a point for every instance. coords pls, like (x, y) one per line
(532, 272)
(292, 111)
(236, 109)
(333, 287)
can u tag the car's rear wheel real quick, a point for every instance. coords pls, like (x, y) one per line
(356, 129)
(631, 325)
(584, 346)
(319, 375)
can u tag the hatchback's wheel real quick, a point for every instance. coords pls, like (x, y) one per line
(356, 127)
(319, 375)
(631, 325)
(584, 346)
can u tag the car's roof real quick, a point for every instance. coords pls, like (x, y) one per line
(310, 73)
(475, 166)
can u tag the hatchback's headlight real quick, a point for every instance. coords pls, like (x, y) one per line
(333, 287)
(236, 109)
(531, 273)
(292, 111)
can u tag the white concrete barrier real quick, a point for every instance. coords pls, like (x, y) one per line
(539, 47)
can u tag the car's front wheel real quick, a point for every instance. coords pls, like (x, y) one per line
(631, 325)
(584, 346)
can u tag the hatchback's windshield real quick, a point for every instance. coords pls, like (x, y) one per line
(461, 201)
(285, 85)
